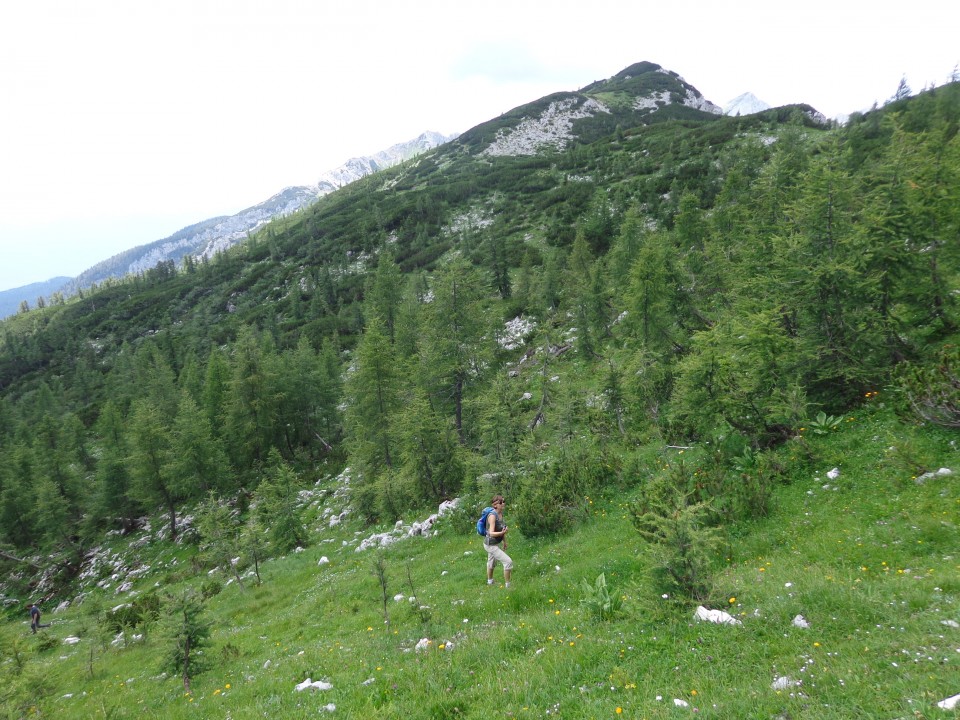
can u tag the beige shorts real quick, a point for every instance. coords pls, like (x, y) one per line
(495, 553)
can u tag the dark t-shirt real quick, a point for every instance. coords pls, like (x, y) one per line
(497, 527)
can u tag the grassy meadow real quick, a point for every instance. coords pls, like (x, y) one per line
(869, 559)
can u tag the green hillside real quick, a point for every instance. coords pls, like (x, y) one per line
(652, 328)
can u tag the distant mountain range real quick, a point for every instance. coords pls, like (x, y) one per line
(208, 237)
(10, 299)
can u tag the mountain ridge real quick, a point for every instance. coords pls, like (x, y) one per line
(208, 237)
(205, 238)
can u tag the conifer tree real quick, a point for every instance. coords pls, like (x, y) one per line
(429, 450)
(149, 454)
(155, 379)
(598, 225)
(219, 527)
(384, 292)
(551, 281)
(624, 249)
(197, 461)
(190, 378)
(19, 477)
(577, 292)
(186, 630)
(215, 389)
(111, 500)
(456, 333)
(499, 264)
(523, 296)
(329, 394)
(824, 298)
(373, 399)
(500, 419)
(933, 204)
(52, 513)
(650, 300)
(741, 372)
(276, 505)
(407, 330)
(251, 403)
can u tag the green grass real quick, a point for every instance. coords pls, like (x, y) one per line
(871, 562)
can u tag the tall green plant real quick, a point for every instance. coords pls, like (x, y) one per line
(219, 527)
(457, 339)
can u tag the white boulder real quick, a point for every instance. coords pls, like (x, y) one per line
(715, 616)
(309, 684)
(950, 703)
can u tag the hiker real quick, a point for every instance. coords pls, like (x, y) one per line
(497, 534)
(35, 618)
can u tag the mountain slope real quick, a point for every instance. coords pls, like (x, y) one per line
(643, 133)
(720, 330)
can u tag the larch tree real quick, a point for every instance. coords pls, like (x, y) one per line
(456, 336)
(149, 453)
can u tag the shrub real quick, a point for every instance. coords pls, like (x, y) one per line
(552, 495)
(541, 509)
(46, 642)
(933, 391)
(210, 588)
(144, 609)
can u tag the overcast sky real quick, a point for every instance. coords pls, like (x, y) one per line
(122, 121)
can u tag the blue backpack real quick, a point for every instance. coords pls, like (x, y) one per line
(482, 522)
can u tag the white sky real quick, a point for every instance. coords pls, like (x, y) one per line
(122, 121)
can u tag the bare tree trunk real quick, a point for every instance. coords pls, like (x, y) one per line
(186, 666)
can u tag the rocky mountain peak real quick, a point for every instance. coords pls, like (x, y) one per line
(745, 104)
